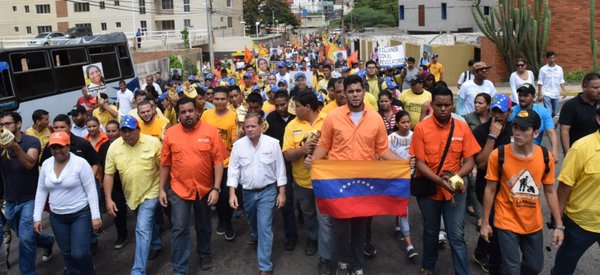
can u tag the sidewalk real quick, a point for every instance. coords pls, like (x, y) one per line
(572, 89)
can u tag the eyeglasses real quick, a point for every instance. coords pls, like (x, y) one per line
(520, 65)
(6, 124)
(209, 93)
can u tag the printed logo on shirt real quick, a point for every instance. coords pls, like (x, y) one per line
(457, 138)
(206, 140)
(523, 190)
(297, 132)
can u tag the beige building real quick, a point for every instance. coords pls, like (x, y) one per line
(31, 17)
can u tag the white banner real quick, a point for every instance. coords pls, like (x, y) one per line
(391, 56)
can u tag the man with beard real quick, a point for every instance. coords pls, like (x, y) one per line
(150, 123)
(192, 156)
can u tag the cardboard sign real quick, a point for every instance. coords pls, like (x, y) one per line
(390, 57)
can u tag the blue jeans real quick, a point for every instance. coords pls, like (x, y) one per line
(259, 208)
(551, 104)
(326, 241)
(20, 218)
(180, 233)
(74, 240)
(577, 241)
(532, 247)
(147, 234)
(453, 215)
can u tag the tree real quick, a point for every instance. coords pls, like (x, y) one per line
(386, 6)
(368, 17)
(264, 10)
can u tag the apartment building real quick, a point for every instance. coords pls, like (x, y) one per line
(31, 17)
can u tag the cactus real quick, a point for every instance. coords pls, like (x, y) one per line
(593, 40)
(527, 30)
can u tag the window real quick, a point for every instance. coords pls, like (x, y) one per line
(167, 4)
(42, 29)
(187, 23)
(168, 24)
(81, 7)
(14, 8)
(228, 3)
(117, 3)
(107, 55)
(103, 26)
(143, 26)
(142, 4)
(32, 65)
(16, 29)
(421, 15)
(486, 10)
(28, 29)
(125, 61)
(444, 11)
(186, 5)
(67, 63)
(26, 8)
(102, 5)
(401, 12)
(230, 22)
(118, 25)
(39, 9)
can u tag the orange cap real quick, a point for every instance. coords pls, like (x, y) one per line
(60, 138)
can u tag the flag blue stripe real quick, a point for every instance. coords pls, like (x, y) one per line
(344, 188)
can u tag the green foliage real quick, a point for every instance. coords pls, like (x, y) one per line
(263, 11)
(388, 7)
(189, 66)
(368, 17)
(174, 62)
(575, 76)
(185, 35)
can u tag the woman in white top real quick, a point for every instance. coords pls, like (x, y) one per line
(68, 182)
(518, 78)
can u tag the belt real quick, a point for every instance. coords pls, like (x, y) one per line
(259, 189)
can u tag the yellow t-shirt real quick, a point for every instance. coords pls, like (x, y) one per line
(374, 87)
(436, 70)
(268, 107)
(138, 168)
(371, 100)
(156, 128)
(104, 117)
(412, 104)
(171, 115)
(581, 171)
(295, 132)
(226, 124)
(43, 137)
(322, 84)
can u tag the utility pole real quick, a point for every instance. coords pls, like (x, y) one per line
(211, 52)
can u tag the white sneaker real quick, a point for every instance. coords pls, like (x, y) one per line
(442, 237)
(357, 272)
(342, 269)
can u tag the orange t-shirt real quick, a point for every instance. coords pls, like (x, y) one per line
(518, 208)
(346, 141)
(192, 156)
(428, 144)
(103, 138)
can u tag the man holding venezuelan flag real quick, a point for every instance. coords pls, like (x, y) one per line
(355, 136)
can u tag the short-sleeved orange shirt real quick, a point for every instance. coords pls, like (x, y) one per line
(192, 156)
(346, 141)
(518, 208)
(429, 141)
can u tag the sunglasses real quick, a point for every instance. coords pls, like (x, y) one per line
(520, 65)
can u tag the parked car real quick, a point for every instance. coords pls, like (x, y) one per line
(43, 39)
(75, 32)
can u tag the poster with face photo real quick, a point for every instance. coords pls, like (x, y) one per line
(308, 81)
(94, 79)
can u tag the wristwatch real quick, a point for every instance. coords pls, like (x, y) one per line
(561, 228)
(216, 189)
(492, 137)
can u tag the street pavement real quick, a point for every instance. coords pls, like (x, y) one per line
(237, 257)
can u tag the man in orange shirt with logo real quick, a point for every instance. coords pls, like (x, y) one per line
(428, 145)
(192, 155)
(517, 217)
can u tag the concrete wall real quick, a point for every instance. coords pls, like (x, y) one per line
(237, 43)
(459, 15)
(454, 58)
(412, 50)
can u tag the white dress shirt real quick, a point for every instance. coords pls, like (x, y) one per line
(550, 78)
(255, 168)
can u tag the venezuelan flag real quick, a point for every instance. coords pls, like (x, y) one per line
(349, 188)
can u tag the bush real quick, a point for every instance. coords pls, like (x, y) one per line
(575, 76)
(174, 62)
(368, 17)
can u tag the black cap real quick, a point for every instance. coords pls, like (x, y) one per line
(528, 118)
(526, 88)
(416, 80)
(77, 109)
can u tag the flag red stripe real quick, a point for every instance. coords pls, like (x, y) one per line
(363, 206)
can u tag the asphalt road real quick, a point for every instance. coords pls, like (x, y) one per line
(237, 257)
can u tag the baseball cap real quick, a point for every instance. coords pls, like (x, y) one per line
(59, 138)
(416, 80)
(390, 84)
(209, 76)
(248, 75)
(526, 88)
(129, 122)
(345, 69)
(502, 102)
(480, 66)
(163, 96)
(528, 118)
(282, 81)
(77, 109)
(281, 64)
(319, 97)
(298, 76)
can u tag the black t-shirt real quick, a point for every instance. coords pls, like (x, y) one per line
(277, 126)
(79, 147)
(481, 133)
(117, 186)
(20, 184)
(581, 116)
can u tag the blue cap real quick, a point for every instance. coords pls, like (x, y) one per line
(362, 74)
(319, 97)
(179, 89)
(256, 87)
(345, 69)
(209, 76)
(129, 122)
(390, 84)
(290, 64)
(274, 88)
(205, 88)
(248, 75)
(163, 96)
(192, 78)
(502, 102)
(282, 81)
(299, 75)
(281, 64)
